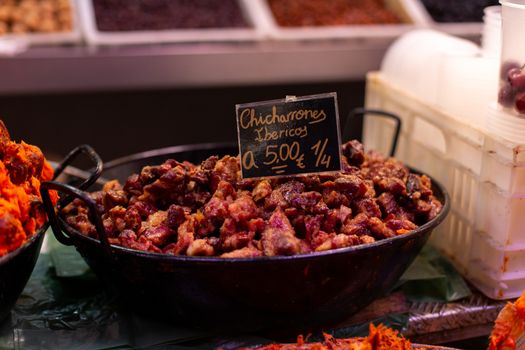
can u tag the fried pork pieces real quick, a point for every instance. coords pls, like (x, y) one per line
(208, 210)
(22, 168)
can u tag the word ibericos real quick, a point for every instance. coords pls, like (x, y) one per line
(296, 135)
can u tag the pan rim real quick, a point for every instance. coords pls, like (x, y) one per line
(28, 243)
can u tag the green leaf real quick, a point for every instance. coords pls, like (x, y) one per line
(432, 278)
(66, 260)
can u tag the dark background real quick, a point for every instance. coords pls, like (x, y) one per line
(121, 123)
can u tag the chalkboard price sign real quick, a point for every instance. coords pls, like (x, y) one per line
(296, 135)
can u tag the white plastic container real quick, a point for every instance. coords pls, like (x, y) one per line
(513, 25)
(467, 84)
(422, 72)
(491, 33)
(484, 174)
(445, 71)
(404, 9)
(95, 37)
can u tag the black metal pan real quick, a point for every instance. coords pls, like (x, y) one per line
(241, 294)
(16, 267)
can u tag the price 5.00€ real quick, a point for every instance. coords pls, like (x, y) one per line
(278, 155)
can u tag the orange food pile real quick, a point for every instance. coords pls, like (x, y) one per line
(509, 327)
(379, 338)
(22, 168)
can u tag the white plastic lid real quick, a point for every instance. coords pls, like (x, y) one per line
(492, 12)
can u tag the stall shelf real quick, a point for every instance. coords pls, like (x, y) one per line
(263, 54)
(83, 68)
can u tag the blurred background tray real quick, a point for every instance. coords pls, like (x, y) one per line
(469, 29)
(95, 36)
(263, 55)
(55, 38)
(402, 8)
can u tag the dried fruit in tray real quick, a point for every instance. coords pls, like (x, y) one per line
(135, 15)
(35, 16)
(207, 210)
(447, 11)
(301, 13)
(22, 168)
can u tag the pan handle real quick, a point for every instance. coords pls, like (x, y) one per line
(91, 154)
(378, 113)
(83, 196)
(44, 189)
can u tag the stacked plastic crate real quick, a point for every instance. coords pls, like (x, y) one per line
(484, 234)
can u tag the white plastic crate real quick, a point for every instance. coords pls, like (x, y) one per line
(484, 235)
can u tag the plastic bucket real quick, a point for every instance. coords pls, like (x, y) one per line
(491, 34)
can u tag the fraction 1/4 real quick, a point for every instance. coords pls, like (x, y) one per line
(322, 158)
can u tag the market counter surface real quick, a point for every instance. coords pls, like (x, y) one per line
(65, 307)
